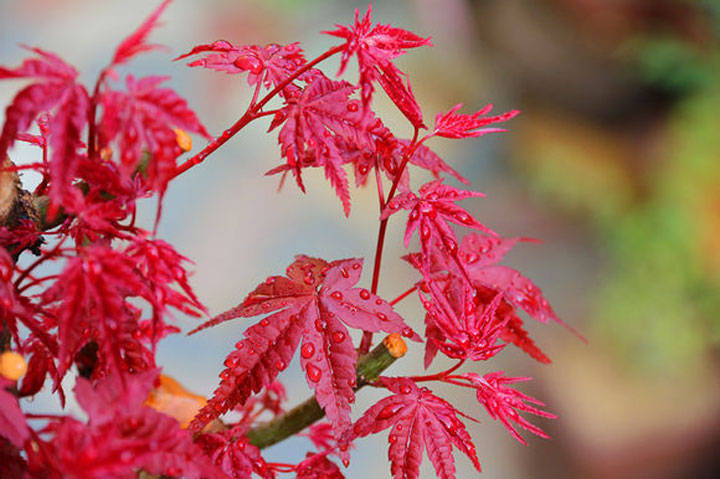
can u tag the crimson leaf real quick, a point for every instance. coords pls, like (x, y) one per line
(314, 302)
(417, 419)
(143, 118)
(13, 426)
(314, 118)
(135, 42)
(375, 49)
(55, 90)
(453, 125)
(503, 402)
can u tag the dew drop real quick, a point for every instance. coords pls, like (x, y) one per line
(378, 301)
(392, 438)
(387, 412)
(221, 45)
(405, 389)
(280, 364)
(313, 373)
(407, 332)
(382, 316)
(344, 273)
(265, 322)
(336, 295)
(307, 350)
(365, 294)
(338, 336)
(352, 106)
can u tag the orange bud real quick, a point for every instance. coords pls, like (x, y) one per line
(395, 345)
(12, 365)
(183, 139)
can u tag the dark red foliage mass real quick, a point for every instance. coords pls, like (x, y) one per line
(98, 293)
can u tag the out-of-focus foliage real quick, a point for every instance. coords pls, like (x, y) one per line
(651, 190)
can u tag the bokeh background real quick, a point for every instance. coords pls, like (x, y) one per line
(614, 164)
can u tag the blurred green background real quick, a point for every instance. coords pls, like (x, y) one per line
(614, 164)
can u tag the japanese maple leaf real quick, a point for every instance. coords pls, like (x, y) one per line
(318, 466)
(144, 118)
(392, 151)
(232, 452)
(135, 43)
(271, 64)
(480, 253)
(13, 425)
(375, 48)
(161, 266)
(12, 464)
(314, 303)
(123, 435)
(454, 125)
(89, 301)
(418, 420)
(460, 326)
(503, 402)
(430, 212)
(313, 119)
(55, 90)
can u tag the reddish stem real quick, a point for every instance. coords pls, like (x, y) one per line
(403, 296)
(441, 376)
(92, 113)
(367, 335)
(50, 254)
(251, 114)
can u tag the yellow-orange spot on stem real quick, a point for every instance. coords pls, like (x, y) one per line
(395, 345)
(183, 139)
(171, 398)
(106, 153)
(12, 365)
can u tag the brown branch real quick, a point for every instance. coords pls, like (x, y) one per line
(369, 368)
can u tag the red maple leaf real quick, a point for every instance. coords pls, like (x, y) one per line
(503, 403)
(453, 125)
(477, 252)
(232, 452)
(123, 435)
(318, 466)
(134, 43)
(55, 90)
(12, 464)
(460, 325)
(314, 302)
(313, 120)
(430, 212)
(143, 119)
(480, 253)
(89, 302)
(13, 425)
(375, 48)
(418, 419)
(270, 65)
(161, 267)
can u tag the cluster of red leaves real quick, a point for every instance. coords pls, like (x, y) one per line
(108, 305)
